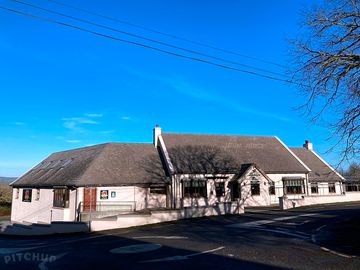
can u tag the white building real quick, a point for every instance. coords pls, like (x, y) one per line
(176, 171)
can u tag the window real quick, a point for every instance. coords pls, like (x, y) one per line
(195, 188)
(54, 163)
(314, 188)
(352, 187)
(37, 197)
(17, 193)
(220, 189)
(45, 165)
(61, 197)
(294, 186)
(332, 188)
(27, 192)
(158, 190)
(66, 162)
(272, 188)
(255, 187)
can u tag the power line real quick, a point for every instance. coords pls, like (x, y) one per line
(144, 45)
(166, 34)
(147, 39)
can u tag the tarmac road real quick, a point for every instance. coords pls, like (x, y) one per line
(260, 239)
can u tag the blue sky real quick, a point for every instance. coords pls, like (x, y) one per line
(62, 88)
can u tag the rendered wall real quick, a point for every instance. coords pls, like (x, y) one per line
(211, 199)
(286, 203)
(138, 197)
(279, 191)
(41, 210)
(125, 221)
(248, 199)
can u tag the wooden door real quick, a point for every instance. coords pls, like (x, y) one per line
(89, 199)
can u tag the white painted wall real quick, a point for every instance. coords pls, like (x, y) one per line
(41, 210)
(323, 188)
(138, 197)
(286, 203)
(211, 199)
(125, 221)
(255, 200)
(279, 191)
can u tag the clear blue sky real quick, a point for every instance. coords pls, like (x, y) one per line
(62, 88)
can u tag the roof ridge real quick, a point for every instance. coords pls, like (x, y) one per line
(216, 134)
(98, 145)
(79, 148)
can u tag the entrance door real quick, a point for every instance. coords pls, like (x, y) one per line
(273, 193)
(235, 190)
(89, 199)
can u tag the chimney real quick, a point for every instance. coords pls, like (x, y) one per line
(308, 145)
(156, 134)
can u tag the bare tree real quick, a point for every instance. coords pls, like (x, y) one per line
(353, 172)
(202, 159)
(327, 70)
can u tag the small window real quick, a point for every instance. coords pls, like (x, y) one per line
(255, 187)
(220, 189)
(54, 163)
(27, 192)
(314, 188)
(17, 191)
(272, 188)
(37, 197)
(45, 165)
(352, 187)
(158, 190)
(294, 186)
(61, 197)
(66, 162)
(195, 188)
(332, 188)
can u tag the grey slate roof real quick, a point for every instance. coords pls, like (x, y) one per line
(265, 151)
(99, 165)
(320, 172)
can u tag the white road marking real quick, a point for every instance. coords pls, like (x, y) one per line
(279, 231)
(160, 237)
(313, 239)
(269, 221)
(182, 257)
(318, 229)
(337, 253)
(136, 248)
(308, 215)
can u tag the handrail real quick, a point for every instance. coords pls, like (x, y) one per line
(108, 206)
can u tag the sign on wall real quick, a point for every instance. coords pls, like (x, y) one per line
(104, 194)
(27, 195)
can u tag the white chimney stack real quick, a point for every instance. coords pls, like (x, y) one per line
(308, 145)
(156, 134)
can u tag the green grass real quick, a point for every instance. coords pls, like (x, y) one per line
(5, 209)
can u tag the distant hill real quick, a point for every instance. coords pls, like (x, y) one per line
(7, 180)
